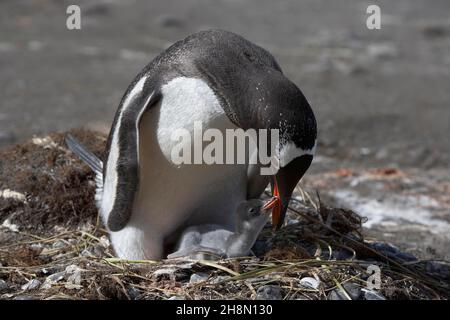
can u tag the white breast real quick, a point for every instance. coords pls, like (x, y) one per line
(173, 195)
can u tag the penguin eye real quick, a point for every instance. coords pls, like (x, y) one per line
(252, 211)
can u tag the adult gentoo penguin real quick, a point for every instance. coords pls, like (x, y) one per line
(225, 82)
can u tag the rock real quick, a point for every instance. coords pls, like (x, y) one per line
(3, 285)
(59, 244)
(58, 257)
(392, 251)
(199, 277)
(309, 282)
(171, 273)
(177, 272)
(290, 221)
(342, 254)
(87, 253)
(73, 274)
(373, 295)
(33, 284)
(218, 279)
(44, 272)
(104, 242)
(25, 297)
(176, 298)
(98, 251)
(438, 268)
(36, 248)
(53, 279)
(269, 292)
(350, 288)
(186, 265)
(336, 295)
(8, 225)
(134, 293)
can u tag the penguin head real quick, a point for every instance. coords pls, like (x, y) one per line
(253, 214)
(277, 103)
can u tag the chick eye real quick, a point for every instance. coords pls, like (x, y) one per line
(252, 210)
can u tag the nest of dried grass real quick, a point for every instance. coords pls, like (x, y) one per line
(52, 246)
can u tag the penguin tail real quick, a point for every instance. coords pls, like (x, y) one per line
(92, 161)
(84, 154)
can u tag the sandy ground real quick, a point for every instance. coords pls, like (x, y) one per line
(382, 98)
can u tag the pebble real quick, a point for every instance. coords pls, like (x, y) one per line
(352, 290)
(53, 279)
(59, 244)
(104, 242)
(176, 298)
(25, 297)
(33, 284)
(342, 254)
(373, 295)
(48, 271)
(198, 277)
(186, 265)
(86, 253)
(97, 251)
(164, 272)
(134, 293)
(269, 292)
(392, 251)
(74, 277)
(3, 285)
(219, 279)
(36, 248)
(309, 282)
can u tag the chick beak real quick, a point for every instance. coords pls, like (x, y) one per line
(276, 212)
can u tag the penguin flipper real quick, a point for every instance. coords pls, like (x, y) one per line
(122, 167)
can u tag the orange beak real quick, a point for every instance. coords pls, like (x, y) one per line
(276, 212)
(271, 203)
